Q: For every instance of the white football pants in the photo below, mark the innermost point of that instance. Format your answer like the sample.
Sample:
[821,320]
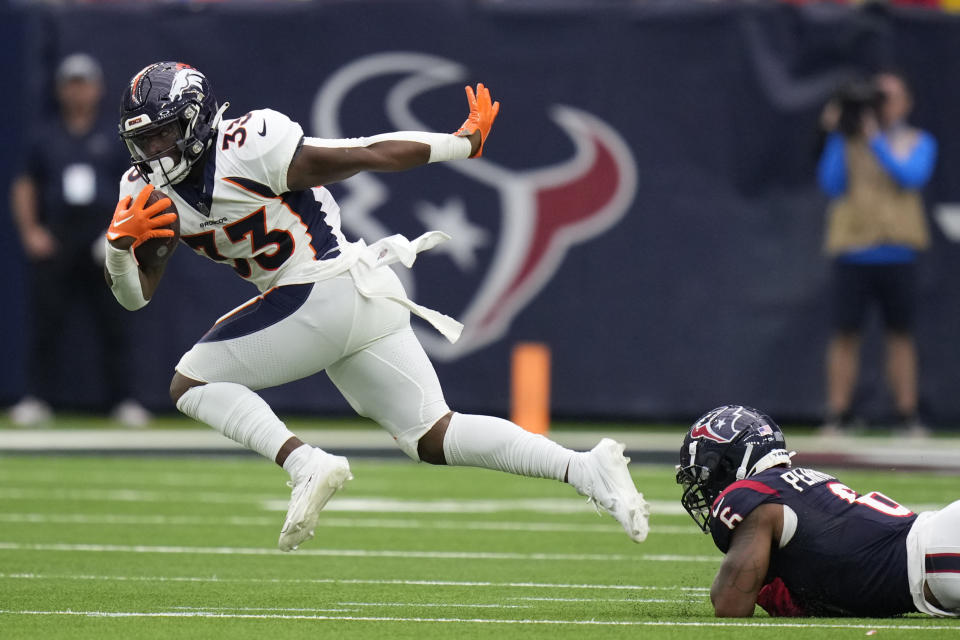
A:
[365,345]
[933,556]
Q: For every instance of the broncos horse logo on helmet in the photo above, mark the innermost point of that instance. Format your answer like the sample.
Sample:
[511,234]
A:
[725,445]
[168,119]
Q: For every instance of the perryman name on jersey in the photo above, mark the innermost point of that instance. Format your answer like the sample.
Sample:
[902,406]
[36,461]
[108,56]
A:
[243,214]
[841,553]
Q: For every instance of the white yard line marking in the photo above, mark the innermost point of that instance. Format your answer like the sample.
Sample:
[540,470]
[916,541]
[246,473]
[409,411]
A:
[278,502]
[298,609]
[413,583]
[435,604]
[356,553]
[275,502]
[454,505]
[118,518]
[129,495]
[688,600]
[606,623]
[331,522]
[191,479]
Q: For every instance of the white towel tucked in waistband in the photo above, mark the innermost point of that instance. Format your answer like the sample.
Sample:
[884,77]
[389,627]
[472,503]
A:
[360,259]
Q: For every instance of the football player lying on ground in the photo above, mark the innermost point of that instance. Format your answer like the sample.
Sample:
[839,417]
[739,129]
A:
[247,195]
[800,543]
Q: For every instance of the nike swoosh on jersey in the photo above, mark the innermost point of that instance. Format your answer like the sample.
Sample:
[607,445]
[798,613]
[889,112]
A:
[263,129]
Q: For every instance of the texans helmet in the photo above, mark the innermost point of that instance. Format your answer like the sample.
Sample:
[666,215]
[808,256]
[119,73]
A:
[724,445]
[168,119]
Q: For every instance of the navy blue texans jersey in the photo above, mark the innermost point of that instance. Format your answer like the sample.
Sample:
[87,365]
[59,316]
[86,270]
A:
[843,554]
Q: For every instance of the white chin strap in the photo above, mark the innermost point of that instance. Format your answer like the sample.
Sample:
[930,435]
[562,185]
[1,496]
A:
[167,172]
[171,173]
[742,470]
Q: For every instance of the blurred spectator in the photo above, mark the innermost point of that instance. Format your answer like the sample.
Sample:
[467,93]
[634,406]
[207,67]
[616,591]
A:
[61,201]
[873,167]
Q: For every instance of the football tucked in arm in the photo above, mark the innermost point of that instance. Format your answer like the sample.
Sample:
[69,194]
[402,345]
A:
[156,251]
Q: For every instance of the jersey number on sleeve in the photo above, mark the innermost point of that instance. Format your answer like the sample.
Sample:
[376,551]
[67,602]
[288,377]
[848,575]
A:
[236,133]
[253,226]
[875,500]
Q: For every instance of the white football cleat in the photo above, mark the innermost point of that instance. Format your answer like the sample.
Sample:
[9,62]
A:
[607,483]
[315,485]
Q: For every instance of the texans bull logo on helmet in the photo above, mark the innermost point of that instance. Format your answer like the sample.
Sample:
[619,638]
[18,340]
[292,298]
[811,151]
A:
[725,445]
[725,423]
[537,214]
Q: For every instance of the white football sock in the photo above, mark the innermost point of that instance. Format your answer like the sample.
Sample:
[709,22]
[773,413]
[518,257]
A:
[492,443]
[238,413]
[297,458]
[577,473]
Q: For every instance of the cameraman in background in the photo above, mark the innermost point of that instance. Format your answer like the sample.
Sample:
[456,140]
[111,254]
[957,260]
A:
[873,167]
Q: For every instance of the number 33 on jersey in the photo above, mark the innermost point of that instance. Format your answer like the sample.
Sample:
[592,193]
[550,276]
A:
[243,215]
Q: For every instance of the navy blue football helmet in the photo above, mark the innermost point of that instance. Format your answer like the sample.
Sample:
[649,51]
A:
[168,119]
[724,445]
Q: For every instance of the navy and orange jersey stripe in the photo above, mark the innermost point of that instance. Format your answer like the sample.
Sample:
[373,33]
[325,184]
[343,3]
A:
[263,311]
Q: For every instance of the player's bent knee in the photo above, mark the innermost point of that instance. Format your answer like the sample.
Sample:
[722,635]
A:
[430,446]
[180,384]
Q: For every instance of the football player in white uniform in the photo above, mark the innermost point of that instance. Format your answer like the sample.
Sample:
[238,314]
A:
[246,193]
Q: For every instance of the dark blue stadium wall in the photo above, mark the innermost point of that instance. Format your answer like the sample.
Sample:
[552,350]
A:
[646,205]
[13,110]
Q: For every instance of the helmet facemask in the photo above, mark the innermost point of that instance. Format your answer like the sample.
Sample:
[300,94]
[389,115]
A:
[694,498]
[157,151]
[171,162]
[702,480]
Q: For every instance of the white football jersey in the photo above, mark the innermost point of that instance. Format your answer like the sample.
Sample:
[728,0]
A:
[244,215]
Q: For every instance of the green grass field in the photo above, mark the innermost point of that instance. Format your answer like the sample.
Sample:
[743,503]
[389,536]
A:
[131,547]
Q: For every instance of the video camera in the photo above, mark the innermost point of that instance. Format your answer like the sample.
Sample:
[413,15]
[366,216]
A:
[855,100]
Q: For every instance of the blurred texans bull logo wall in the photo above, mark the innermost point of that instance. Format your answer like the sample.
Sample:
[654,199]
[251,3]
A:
[543,211]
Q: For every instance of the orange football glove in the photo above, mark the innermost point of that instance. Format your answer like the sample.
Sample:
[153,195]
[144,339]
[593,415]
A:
[482,115]
[133,221]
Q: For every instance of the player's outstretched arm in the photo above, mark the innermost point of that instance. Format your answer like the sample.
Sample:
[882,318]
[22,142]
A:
[482,114]
[132,225]
[324,161]
[744,569]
